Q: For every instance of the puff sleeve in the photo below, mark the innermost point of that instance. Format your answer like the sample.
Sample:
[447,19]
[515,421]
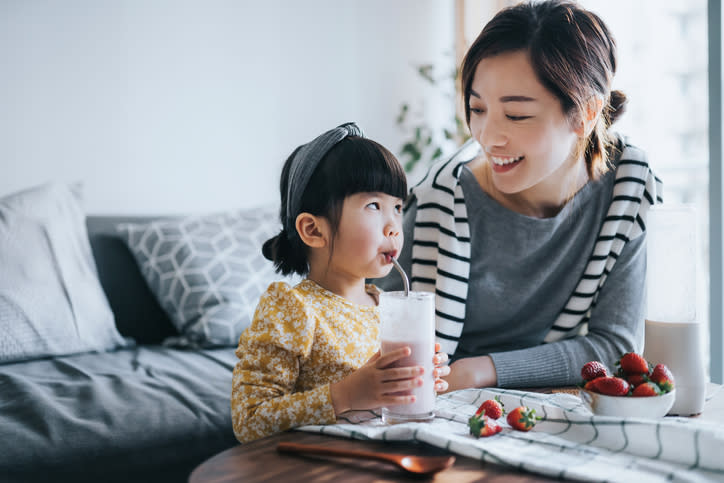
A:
[271,352]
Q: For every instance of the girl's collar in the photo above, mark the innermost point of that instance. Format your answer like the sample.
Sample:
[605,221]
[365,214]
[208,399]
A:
[316,288]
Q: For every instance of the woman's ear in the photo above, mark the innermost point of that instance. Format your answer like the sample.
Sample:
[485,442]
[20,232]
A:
[313,230]
[593,109]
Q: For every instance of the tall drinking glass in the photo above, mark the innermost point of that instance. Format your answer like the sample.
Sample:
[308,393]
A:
[673,331]
[410,321]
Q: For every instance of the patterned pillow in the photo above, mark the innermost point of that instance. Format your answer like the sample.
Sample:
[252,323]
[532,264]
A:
[207,272]
[51,301]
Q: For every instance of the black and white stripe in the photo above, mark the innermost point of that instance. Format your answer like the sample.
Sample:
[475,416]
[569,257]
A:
[441,242]
[441,245]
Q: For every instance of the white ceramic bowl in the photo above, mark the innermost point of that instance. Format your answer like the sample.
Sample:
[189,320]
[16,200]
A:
[628,406]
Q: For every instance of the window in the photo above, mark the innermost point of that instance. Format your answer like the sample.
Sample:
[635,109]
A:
[663,69]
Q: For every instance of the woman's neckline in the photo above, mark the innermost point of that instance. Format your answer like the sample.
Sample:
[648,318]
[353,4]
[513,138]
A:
[481,177]
[579,197]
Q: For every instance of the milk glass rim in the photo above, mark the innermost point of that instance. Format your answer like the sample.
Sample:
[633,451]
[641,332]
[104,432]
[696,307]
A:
[413,294]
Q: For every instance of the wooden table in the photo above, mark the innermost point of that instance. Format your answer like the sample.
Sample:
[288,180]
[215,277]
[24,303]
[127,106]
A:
[259,461]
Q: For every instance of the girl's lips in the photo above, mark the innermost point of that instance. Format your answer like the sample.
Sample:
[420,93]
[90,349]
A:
[389,255]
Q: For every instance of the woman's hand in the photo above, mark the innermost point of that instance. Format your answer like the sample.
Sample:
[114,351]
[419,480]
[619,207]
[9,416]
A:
[372,385]
[441,370]
[472,372]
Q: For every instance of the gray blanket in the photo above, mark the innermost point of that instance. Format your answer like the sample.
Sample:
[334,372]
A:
[128,415]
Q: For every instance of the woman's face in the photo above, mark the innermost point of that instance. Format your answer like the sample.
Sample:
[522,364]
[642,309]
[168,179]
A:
[527,138]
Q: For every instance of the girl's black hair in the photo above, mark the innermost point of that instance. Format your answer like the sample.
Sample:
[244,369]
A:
[353,165]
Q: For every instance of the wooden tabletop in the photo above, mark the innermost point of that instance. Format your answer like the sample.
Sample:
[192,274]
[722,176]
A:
[259,461]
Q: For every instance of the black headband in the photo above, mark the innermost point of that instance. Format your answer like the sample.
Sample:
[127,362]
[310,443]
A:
[303,165]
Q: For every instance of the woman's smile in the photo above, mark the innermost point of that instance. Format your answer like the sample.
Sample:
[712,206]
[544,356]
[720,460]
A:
[503,164]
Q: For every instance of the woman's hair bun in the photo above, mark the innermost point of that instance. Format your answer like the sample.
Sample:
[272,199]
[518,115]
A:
[616,106]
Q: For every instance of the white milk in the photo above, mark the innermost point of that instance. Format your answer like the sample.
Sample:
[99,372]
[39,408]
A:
[672,335]
[410,321]
[678,345]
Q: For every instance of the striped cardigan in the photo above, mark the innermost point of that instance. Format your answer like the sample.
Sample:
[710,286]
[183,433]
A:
[441,242]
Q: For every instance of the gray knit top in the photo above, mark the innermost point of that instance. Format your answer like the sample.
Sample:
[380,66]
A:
[523,271]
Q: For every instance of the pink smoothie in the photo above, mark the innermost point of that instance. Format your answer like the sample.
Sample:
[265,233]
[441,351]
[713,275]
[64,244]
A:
[422,353]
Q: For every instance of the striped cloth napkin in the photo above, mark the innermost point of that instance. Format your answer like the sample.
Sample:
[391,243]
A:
[569,443]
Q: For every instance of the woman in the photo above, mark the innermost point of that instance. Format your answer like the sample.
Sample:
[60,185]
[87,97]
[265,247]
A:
[532,235]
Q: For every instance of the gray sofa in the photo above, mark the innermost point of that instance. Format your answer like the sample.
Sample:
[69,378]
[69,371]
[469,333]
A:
[143,413]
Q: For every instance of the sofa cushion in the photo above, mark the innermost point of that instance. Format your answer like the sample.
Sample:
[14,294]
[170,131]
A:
[147,413]
[206,271]
[51,302]
[138,313]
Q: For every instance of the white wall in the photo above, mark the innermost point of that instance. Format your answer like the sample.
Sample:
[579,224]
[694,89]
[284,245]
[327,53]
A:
[191,106]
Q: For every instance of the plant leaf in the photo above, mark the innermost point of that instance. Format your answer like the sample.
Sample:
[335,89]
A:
[404,108]
[425,71]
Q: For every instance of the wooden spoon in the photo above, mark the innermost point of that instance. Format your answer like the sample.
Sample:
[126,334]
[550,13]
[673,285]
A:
[422,465]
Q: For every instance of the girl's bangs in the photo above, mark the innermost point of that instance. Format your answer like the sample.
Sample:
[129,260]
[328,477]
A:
[365,166]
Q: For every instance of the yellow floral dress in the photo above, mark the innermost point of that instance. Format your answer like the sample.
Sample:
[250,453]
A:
[302,339]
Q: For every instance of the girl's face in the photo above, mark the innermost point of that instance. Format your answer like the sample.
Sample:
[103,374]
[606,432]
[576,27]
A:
[369,232]
[527,138]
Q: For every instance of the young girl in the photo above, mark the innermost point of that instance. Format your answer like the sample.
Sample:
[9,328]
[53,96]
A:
[311,352]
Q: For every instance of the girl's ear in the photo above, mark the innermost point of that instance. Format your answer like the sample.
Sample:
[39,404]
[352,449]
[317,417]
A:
[313,230]
[594,106]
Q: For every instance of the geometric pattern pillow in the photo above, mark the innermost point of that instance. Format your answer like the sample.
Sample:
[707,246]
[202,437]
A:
[207,272]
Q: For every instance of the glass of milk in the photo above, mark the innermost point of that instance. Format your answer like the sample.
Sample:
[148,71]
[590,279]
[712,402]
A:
[410,321]
[673,330]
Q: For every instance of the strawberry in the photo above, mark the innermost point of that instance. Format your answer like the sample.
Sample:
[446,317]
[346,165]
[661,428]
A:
[637,379]
[612,386]
[593,369]
[591,385]
[646,389]
[662,376]
[492,408]
[483,426]
[522,418]
[633,363]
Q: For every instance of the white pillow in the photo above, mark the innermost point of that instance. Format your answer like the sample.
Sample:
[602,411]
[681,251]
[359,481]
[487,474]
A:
[51,301]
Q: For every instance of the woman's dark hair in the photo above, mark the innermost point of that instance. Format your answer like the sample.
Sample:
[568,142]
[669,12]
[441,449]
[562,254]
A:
[353,165]
[573,54]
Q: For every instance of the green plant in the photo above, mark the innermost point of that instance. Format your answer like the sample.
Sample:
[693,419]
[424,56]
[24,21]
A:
[427,143]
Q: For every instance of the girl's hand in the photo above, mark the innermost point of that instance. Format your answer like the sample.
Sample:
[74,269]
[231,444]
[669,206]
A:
[442,369]
[372,385]
[472,372]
